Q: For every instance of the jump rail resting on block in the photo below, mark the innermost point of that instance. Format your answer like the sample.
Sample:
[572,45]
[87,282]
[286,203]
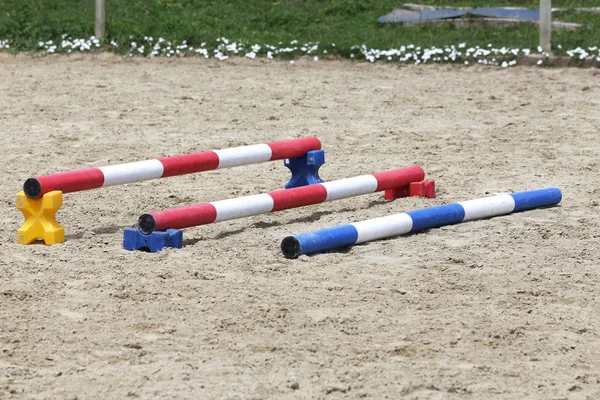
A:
[94,178]
[207,213]
[418,220]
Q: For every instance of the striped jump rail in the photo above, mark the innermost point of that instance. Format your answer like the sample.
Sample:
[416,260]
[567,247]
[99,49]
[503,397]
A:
[240,207]
[139,171]
[418,220]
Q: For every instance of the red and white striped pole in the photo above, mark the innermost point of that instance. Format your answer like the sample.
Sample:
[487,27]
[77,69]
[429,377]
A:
[93,178]
[223,210]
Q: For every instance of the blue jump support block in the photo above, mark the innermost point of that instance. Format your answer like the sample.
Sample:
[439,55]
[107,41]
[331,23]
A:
[416,221]
[133,239]
[305,169]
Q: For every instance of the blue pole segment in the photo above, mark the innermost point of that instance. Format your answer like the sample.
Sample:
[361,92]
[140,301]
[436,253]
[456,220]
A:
[531,199]
[434,217]
[318,241]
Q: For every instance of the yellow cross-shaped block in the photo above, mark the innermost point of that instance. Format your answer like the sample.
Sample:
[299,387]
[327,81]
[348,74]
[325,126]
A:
[40,221]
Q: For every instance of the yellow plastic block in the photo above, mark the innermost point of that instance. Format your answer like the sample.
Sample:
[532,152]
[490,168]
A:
[40,221]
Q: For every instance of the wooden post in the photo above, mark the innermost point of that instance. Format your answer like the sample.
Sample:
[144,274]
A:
[100,18]
[546,25]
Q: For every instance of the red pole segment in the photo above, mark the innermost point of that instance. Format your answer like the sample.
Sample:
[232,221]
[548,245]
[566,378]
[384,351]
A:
[66,182]
[293,148]
[189,163]
[206,213]
[93,178]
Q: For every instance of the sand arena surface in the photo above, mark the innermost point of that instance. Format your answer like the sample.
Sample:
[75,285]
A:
[498,308]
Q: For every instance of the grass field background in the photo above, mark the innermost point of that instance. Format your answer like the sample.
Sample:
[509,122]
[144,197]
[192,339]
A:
[345,23]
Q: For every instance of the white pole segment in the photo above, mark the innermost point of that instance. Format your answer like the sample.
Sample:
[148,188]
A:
[350,187]
[488,207]
[383,227]
[132,172]
[243,206]
[244,155]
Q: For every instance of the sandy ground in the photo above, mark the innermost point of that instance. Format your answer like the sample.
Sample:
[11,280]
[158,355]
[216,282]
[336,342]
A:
[500,308]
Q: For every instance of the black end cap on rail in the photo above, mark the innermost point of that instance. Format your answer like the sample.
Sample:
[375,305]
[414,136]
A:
[32,188]
[146,224]
[290,247]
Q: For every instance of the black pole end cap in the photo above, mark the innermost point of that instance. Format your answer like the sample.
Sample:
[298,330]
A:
[290,247]
[32,188]
[146,224]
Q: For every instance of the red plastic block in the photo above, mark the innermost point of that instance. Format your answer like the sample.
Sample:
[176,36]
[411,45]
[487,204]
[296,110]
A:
[422,189]
[414,189]
[396,193]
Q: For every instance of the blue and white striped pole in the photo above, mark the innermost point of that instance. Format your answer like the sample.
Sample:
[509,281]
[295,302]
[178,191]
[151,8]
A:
[418,220]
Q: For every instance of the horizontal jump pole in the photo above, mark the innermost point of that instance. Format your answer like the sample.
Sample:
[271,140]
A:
[207,213]
[418,220]
[94,178]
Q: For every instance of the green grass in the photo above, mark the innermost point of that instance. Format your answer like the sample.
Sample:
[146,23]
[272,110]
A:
[343,22]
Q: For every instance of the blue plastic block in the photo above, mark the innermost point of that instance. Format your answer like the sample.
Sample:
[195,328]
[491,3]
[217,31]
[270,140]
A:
[305,169]
[133,239]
